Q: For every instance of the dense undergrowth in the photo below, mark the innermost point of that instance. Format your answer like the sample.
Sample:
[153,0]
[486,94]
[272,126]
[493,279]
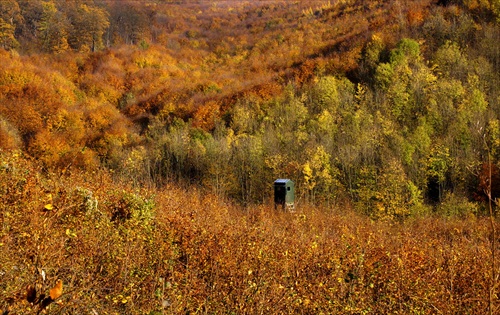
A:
[169,251]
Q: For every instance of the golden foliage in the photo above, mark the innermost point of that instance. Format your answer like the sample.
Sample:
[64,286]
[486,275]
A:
[124,249]
[315,260]
[206,116]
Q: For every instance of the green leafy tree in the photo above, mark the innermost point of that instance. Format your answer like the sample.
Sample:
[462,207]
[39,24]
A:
[325,95]
[417,148]
[443,104]
[357,145]
[287,119]
[451,61]
[219,177]
[439,165]
[247,116]
[406,81]
[495,7]
[372,54]
[387,193]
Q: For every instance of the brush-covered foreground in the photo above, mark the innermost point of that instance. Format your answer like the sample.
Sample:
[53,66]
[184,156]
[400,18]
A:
[118,250]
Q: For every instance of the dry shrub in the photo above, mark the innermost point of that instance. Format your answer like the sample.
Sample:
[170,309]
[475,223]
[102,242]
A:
[9,136]
[119,250]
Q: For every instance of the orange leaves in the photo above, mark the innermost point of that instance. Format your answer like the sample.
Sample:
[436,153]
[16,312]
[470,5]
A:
[99,116]
[37,300]
[206,116]
[415,16]
[48,147]
[57,290]
[305,72]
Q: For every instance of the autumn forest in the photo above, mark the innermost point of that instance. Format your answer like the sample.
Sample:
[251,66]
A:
[139,143]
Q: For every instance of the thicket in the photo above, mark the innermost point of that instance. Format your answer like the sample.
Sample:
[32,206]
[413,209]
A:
[122,250]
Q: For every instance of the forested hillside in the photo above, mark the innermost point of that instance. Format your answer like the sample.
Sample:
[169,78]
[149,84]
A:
[139,141]
[387,105]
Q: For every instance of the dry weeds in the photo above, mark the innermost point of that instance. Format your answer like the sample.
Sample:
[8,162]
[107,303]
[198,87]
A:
[119,250]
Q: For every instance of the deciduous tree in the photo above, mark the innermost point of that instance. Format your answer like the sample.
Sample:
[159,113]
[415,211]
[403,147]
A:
[53,28]
[89,26]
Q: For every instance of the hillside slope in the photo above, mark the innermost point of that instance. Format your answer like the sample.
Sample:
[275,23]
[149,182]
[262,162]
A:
[341,97]
[139,141]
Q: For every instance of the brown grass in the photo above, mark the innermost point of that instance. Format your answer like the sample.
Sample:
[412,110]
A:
[172,251]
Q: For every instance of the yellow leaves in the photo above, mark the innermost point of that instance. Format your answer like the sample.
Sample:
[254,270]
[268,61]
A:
[326,123]
[275,163]
[308,176]
[15,78]
[314,245]
[135,160]
[63,87]
[360,95]
[317,170]
[70,233]
[49,206]
[146,62]
[327,93]
[119,299]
